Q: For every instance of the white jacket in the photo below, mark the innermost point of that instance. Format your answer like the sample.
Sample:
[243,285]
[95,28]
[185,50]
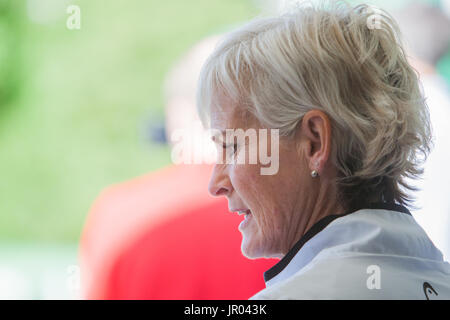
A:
[375,253]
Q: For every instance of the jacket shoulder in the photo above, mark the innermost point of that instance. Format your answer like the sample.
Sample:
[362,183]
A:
[364,277]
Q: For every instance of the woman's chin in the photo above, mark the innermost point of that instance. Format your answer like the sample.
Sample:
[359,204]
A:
[250,249]
[247,249]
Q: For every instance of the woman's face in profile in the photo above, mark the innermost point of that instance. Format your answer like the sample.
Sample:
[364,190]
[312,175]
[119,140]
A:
[270,203]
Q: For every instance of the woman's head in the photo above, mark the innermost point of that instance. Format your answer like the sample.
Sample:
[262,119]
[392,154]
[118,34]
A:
[336,83]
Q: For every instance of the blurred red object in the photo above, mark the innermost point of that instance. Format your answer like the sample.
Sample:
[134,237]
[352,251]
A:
[162,236]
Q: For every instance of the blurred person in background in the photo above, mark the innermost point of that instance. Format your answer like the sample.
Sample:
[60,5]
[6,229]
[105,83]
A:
[426,30]
[161,236]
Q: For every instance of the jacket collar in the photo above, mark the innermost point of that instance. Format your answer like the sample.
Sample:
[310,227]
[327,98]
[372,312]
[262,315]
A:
[319,226]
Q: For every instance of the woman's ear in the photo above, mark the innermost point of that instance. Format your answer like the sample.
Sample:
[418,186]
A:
[316,136]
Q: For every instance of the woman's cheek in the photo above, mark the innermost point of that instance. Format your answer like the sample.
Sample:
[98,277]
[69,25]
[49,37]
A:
[244,173]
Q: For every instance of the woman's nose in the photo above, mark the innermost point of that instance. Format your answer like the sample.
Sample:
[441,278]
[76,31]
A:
[219,184]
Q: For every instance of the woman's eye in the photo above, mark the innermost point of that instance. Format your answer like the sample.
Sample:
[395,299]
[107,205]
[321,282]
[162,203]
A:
[232,147]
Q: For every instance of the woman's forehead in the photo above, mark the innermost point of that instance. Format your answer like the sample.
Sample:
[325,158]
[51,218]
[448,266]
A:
[227,116]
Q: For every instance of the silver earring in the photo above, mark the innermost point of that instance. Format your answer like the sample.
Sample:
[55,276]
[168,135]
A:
[314,174]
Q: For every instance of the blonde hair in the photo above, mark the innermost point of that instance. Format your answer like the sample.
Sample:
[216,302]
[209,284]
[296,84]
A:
[329,57]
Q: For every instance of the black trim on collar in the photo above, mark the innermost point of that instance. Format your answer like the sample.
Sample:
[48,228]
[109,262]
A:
[319,226]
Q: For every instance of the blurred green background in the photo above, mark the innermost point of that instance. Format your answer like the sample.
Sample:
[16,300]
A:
[75,104]
[75,112]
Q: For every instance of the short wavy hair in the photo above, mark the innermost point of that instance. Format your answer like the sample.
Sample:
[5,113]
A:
[348,62]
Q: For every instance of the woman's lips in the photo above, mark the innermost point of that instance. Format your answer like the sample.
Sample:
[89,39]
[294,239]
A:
[243,212]
[246,221]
